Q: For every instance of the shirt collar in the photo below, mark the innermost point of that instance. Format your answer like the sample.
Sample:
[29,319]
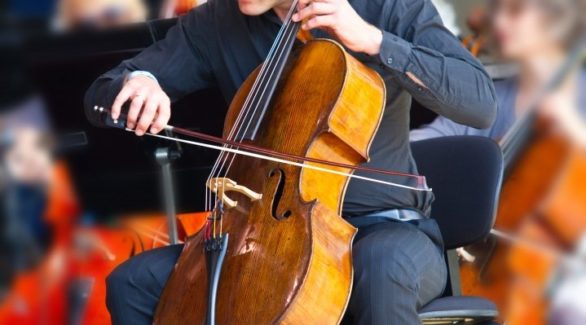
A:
[272,17]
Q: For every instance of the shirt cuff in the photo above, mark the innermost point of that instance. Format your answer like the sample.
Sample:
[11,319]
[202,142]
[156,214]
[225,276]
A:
[141,73]
[394,52]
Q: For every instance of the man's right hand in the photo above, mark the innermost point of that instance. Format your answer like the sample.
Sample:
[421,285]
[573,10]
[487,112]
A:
[149,107]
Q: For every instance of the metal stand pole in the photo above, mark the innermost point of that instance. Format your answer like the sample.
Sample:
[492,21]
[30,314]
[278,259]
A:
[164,156]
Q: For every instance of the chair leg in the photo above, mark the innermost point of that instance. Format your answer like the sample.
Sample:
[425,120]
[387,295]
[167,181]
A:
[457,321]
[454,272]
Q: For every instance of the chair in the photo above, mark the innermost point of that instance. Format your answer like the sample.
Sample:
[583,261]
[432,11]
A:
[465,173]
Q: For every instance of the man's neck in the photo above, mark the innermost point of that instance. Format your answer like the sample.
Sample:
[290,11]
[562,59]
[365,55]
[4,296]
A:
[282,8]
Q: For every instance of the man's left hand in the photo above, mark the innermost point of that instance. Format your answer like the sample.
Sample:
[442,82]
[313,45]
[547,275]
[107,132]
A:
[338,18]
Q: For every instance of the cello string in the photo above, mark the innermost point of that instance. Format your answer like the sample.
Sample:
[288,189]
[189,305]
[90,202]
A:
[282,54]
[240,131]
[209,195]
[275,64]
[248,123]
[253,100]
[243,114]
[287,162]
[246,103]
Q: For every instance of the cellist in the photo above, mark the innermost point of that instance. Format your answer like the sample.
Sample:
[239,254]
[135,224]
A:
[398,256]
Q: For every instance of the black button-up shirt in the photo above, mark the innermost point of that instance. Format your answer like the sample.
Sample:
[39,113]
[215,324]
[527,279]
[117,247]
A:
[217,46]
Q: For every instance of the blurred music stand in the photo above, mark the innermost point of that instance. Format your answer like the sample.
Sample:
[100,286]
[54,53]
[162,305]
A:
[113,172]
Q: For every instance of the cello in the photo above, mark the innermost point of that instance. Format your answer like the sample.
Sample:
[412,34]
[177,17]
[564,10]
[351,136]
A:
[275,235]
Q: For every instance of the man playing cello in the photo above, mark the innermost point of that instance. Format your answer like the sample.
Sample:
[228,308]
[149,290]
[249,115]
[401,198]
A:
[397,255]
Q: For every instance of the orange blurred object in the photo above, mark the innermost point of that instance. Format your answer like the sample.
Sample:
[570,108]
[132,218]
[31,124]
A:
[543,203]
[82,255]
[183,6]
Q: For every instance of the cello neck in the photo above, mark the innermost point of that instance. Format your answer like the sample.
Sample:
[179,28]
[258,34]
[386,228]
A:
[517,137]
[259,97]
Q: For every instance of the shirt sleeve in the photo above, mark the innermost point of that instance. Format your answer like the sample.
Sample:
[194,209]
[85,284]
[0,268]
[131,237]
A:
[440,127]
[456,84]
[179,62]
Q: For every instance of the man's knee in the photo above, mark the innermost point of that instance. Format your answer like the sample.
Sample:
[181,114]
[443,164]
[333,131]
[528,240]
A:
[134,287]
[140,271]
[118,278]
[117,282]
[386,281]
[146,272]
[116,292]
[389,246]
[384,264]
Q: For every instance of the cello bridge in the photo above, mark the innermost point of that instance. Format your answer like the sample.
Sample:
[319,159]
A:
[223,185]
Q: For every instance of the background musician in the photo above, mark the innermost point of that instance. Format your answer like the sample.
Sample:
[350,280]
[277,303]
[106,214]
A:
[399,265]
[73,14]
[537,36]
[26,161]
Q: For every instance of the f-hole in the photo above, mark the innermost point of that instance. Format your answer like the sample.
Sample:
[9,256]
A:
[277,172]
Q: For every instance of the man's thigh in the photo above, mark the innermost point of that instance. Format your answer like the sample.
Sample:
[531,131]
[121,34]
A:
[398,269]
[134,287]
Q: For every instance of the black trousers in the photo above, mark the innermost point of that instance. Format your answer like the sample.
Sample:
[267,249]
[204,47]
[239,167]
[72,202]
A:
[398,268]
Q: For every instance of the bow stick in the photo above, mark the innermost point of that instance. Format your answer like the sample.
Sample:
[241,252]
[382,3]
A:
[267,154]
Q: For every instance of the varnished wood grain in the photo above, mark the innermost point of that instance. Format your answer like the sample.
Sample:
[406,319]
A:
[297,270]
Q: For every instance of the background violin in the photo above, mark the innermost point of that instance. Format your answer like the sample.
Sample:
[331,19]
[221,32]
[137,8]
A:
[543,203]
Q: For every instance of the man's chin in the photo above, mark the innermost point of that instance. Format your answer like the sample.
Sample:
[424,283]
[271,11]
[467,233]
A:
[251,9]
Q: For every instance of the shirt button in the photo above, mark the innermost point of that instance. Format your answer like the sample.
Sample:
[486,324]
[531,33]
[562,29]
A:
[390,60]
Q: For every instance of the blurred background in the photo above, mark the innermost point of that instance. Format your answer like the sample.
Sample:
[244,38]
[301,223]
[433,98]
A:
[76,201]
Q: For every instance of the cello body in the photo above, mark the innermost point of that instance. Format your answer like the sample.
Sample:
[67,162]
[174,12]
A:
[288,259]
